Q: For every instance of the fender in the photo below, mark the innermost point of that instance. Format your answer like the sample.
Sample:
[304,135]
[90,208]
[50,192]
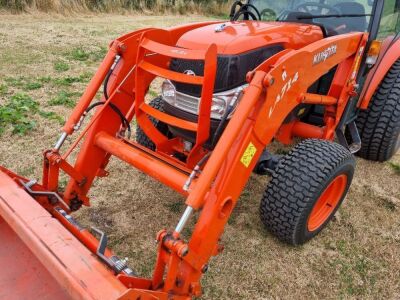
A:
[389,54]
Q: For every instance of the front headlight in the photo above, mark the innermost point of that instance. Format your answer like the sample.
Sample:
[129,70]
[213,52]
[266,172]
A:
[168,92]
[222,100]
[188,103]
[218,107]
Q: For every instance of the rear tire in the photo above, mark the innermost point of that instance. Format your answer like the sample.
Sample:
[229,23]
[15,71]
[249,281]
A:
[306,189]
[379,125]
[141,137]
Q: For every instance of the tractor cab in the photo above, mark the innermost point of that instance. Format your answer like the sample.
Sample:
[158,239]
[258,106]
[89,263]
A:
[333,16]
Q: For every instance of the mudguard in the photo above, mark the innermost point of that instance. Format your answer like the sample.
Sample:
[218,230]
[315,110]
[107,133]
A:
[389,54]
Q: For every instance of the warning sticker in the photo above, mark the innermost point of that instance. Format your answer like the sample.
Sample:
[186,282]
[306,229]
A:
[248,155]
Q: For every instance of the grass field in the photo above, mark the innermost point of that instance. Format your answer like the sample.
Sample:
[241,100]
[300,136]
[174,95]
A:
[45,63]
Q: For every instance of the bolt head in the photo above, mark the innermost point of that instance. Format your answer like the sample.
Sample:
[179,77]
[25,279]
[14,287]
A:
[204,269]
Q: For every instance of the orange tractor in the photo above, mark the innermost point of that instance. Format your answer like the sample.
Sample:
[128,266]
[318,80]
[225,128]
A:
[326,72]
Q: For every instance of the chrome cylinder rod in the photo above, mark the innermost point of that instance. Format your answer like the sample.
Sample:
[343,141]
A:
[185,217]
[61,141]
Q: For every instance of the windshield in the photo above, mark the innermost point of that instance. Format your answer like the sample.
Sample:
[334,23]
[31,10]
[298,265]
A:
[335,15]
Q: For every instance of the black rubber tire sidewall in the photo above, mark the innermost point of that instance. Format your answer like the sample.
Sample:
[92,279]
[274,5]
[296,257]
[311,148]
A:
[141,137]
[379,124]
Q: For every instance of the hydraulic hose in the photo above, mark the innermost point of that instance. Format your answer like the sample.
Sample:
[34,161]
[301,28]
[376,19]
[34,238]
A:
[115,108]
[105,85]
[124,121]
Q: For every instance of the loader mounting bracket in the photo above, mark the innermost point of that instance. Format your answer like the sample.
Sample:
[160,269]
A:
[267,163]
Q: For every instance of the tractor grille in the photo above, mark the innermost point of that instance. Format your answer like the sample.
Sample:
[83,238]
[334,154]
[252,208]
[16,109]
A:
[231,69]
[187,102]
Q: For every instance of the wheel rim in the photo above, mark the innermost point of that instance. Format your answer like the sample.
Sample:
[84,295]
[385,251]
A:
[327,202]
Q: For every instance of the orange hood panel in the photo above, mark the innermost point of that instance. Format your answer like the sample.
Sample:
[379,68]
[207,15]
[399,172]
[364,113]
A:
[239,37]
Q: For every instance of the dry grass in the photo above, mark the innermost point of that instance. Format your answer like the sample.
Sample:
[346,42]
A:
[66,7]
[357,256]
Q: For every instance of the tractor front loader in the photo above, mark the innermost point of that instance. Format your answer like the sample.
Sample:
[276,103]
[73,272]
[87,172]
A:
[207,156]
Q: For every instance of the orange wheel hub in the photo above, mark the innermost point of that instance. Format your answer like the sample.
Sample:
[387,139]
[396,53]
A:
[327,202]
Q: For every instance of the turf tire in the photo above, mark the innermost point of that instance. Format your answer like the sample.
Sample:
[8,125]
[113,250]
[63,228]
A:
[299,179]
[379,124]
[141,137]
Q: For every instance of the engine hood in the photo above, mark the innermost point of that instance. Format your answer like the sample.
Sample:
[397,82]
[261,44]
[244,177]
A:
[239,37]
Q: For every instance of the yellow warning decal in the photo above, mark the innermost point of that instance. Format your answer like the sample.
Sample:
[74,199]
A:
[248,155]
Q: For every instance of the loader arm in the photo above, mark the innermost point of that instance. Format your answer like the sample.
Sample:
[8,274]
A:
[212,180]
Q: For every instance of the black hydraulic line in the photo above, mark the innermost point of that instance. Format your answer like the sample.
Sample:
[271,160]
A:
[115,108]
[221,124]
[105,85]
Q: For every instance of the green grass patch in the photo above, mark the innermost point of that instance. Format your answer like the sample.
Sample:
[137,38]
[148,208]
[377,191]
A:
[44,79]
[99,55]
[52,116]
[17,114]
[33,86]
[24,83]
[61,66]
[69,80]
[15,81]
[395,167]
[3,89]
[64,98]
[79,54]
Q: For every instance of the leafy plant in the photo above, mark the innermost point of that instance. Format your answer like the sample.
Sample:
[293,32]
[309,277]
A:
[52,116]
[61,66]
[69,80]
[24,83]
[15,81]
[33,85]
[3,89]
[79,54]
[17,113]
[63,98]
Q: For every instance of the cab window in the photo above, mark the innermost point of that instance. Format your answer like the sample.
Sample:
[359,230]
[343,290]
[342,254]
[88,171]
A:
[390,21]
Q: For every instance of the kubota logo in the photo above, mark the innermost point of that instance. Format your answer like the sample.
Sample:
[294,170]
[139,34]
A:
[324,55]
[189,72]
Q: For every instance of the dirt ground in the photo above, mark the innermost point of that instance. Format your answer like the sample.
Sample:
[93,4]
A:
[50,58]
